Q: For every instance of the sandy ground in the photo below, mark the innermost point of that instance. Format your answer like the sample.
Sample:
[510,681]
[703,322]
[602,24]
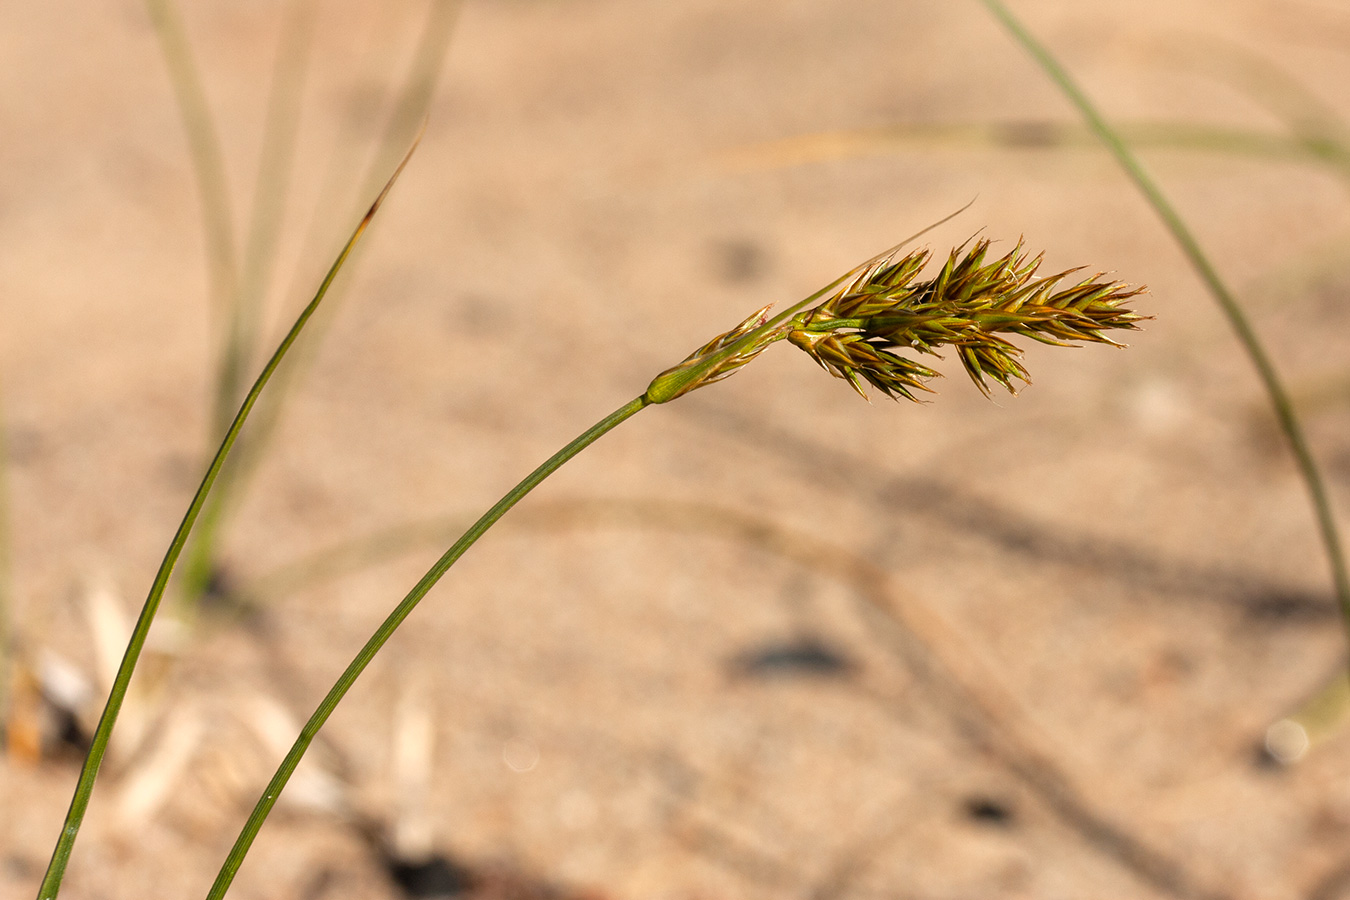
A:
[768,641]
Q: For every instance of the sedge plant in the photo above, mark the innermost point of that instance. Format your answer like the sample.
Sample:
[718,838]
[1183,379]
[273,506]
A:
[408,109]
[238,271]
[864,328]
[861,328]
[84,788]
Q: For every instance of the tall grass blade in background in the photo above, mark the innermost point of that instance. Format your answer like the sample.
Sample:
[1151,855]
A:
[866,316]
[275,165]
[410,105]
[208,164]
[419,88]
[408,110]
[51,882]
[1041,134]
[1190,246]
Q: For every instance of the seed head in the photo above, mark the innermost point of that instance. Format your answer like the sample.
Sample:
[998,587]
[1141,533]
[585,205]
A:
[882,307]
[968,305]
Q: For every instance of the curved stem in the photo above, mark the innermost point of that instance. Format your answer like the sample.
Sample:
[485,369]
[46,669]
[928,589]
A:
[1246,334]
[386,630]
[84,788]
[409,108]
[245,306]
[418,89]
[208,164]
[271,188]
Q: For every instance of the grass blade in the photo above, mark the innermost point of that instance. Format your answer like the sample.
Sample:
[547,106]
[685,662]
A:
[409,108]
[419,87]
[1035,134]
[1190,246]
[208,162]
[51,882]
[275,161]
[386,630]
[273,181]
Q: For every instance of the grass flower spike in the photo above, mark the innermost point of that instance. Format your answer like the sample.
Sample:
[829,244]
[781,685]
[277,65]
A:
[883,306]
[968,305]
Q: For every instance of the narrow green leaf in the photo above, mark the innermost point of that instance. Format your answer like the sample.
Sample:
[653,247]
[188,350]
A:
[1237,319]
[51,882]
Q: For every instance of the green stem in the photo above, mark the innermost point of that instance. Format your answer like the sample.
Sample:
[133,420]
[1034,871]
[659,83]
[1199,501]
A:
[281,123]
[209,166]
[409,109]
[269,200]
[386,630]
[668,390]
[1036,134]
[419,86]
[1279,397]
[84,788]
[200,565]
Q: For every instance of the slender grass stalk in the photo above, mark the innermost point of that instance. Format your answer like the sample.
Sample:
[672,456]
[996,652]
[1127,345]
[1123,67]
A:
[275,164]
[409,108]
[1034,134]
[1318,133]
[51,882]
[386,630]
[866,315]
[418,90]
[208,164]
[1190,246]
[705,367]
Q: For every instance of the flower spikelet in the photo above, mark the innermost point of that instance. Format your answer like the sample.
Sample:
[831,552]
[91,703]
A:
[677,381]
[969,305]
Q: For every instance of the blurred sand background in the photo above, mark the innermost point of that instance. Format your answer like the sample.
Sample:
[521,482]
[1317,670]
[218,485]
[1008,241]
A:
[770,640]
